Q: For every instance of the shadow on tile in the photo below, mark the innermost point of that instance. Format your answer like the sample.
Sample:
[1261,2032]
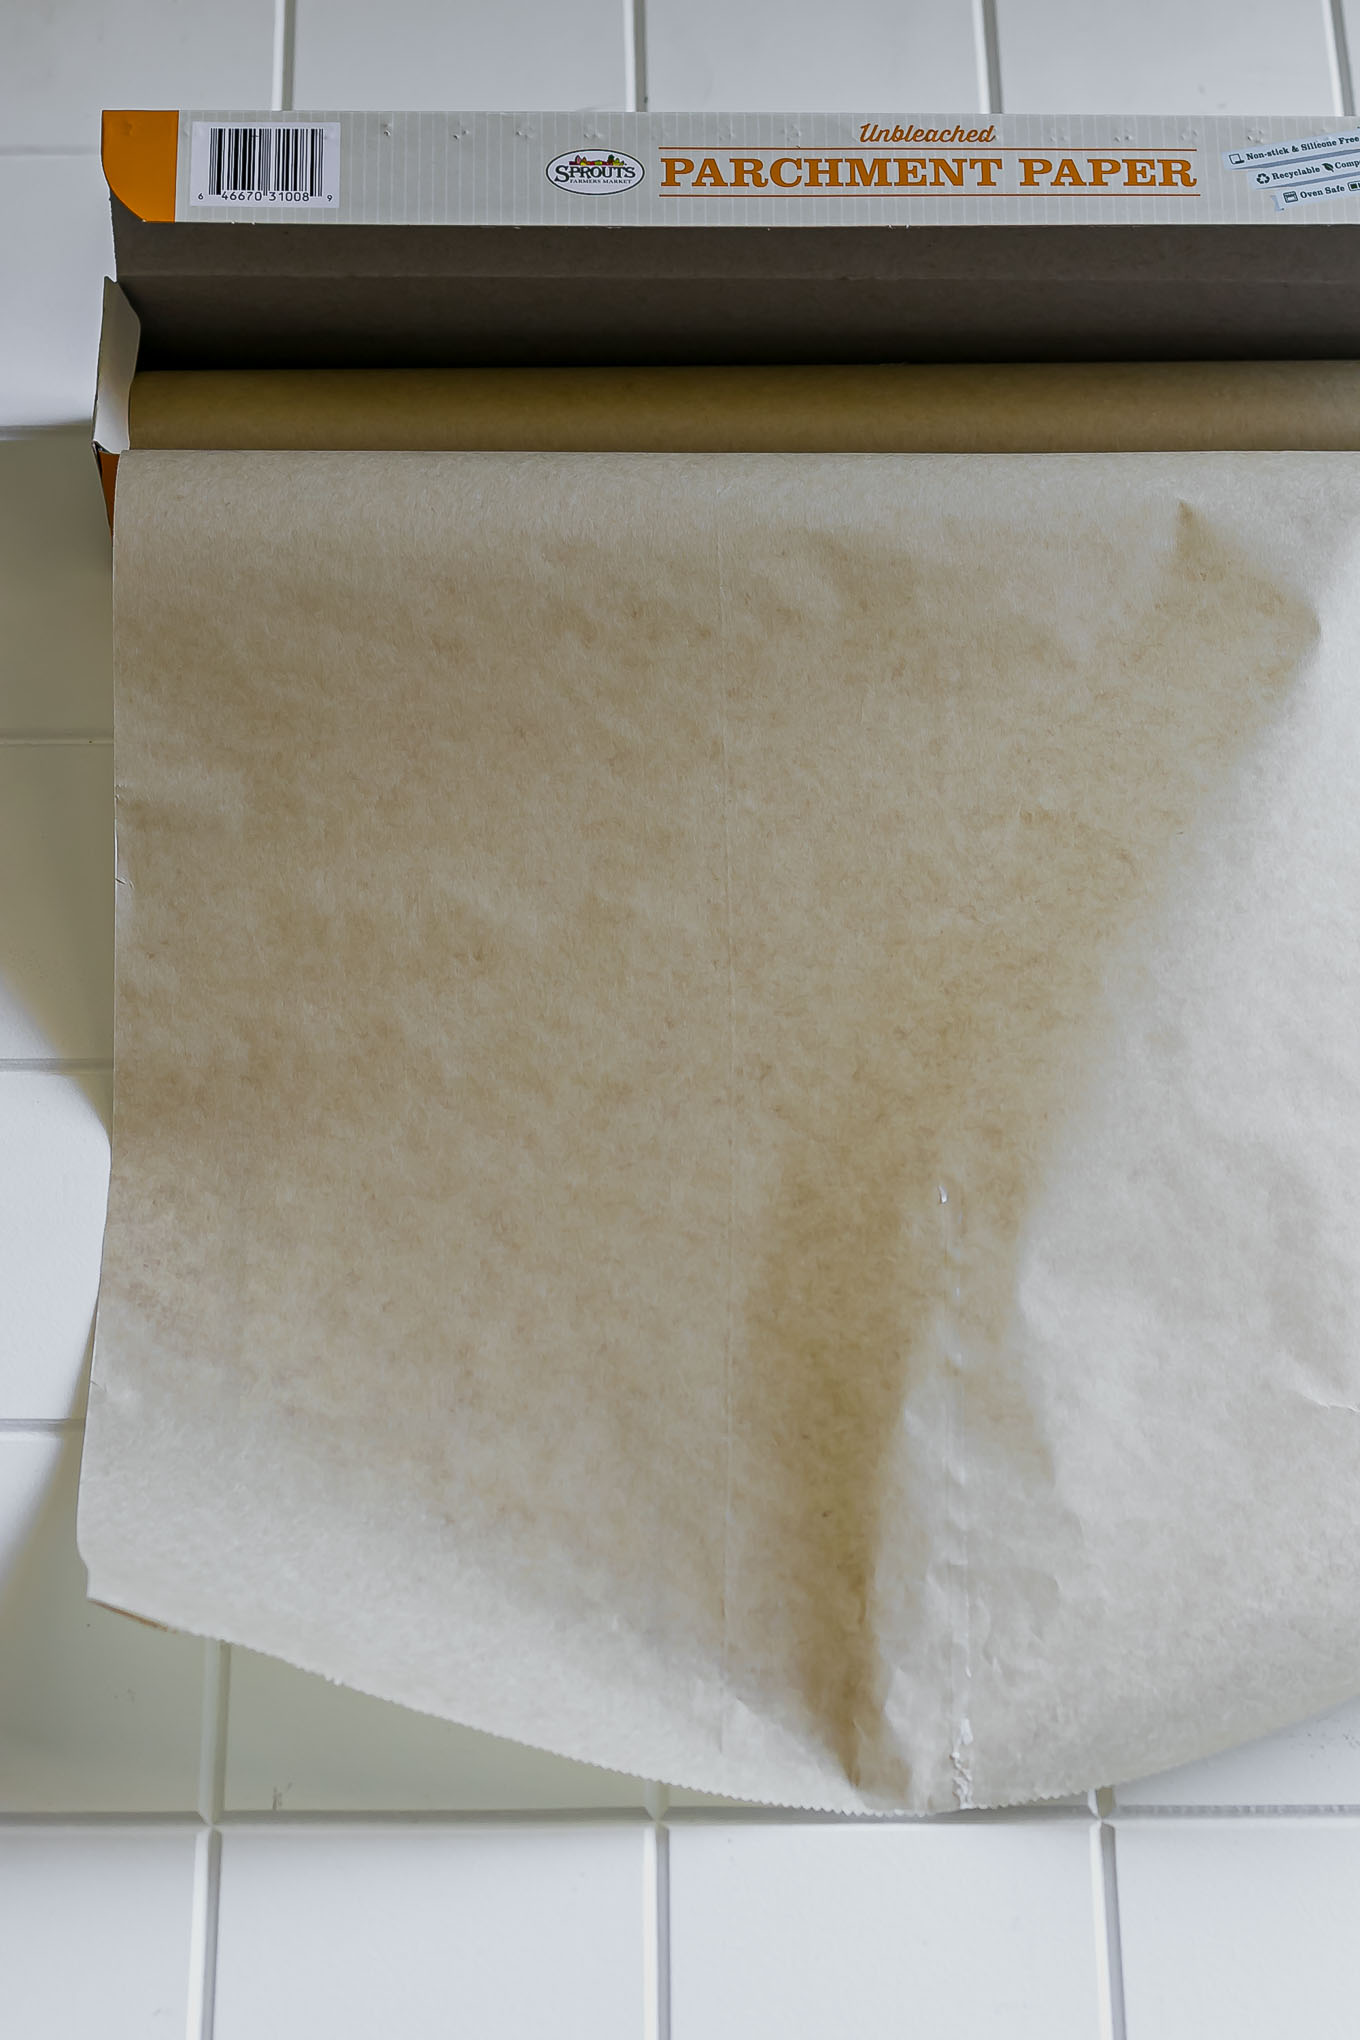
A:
[297,1743]
[56,903]
[56,657]
[98,1713]
[54,1141]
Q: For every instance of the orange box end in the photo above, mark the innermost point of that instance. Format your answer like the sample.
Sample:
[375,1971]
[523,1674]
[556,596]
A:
[141,154]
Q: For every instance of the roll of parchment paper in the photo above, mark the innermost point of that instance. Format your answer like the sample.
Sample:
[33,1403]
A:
[1127,406]
[737,1127]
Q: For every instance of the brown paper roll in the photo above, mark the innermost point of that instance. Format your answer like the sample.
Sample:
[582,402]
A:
[1128,407]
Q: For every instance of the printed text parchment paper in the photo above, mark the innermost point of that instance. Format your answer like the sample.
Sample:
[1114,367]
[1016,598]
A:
[737,1109]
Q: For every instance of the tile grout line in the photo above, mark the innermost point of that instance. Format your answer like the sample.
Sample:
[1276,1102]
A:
[1339,56]
[663,1931]
[1265,1809]
[201,2008]
[260,1820]
[212,1771]
[987,51]
[174,1822]
[656,1919]
[285,46]
[1109,1943]
[635,56]
[267,1821]
[212,1760]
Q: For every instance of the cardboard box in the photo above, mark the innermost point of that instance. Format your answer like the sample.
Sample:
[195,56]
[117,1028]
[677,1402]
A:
[418,240]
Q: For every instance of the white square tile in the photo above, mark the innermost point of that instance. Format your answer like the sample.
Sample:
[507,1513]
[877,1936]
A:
[98,1713]
[56,901]
[1163,56]
[56,248]
[63,66]
[298,1743]
[1240,1927]
[1316,1763]
[870,55]
[460,54]
[512,1933]
[786,1931]
[54,1172]
[56,637]
[95,1933]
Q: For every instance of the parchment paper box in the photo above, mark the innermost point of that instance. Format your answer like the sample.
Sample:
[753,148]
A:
[426,240]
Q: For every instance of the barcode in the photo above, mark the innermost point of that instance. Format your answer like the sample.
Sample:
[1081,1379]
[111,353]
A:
[268,168]
[266,162]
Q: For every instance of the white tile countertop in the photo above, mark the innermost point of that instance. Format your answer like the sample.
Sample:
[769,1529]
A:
[202,1843]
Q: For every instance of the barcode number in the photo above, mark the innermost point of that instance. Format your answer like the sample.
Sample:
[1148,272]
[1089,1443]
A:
[233,163]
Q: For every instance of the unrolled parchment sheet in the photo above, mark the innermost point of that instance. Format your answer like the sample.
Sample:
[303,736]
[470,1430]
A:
[737,1114]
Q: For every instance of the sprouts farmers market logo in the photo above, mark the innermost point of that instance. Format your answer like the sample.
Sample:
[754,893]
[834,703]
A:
[595,170]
